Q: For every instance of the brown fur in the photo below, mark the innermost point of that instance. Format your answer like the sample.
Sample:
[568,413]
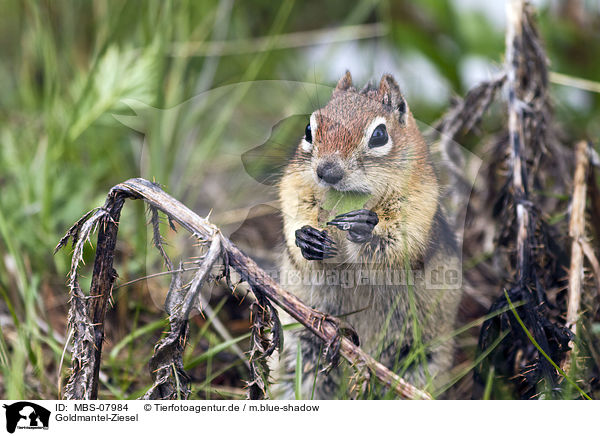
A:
[404,194]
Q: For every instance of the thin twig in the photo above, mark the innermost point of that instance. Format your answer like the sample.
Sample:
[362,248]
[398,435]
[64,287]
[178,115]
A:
[588,251]
[516,135]
[574,82]
[288,40]
[577,234]
[157,238]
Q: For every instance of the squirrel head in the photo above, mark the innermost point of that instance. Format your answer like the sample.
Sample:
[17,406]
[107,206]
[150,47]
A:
[362,141]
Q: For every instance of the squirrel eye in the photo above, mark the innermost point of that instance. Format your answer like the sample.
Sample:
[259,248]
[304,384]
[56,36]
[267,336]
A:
[308,134]
[379,136]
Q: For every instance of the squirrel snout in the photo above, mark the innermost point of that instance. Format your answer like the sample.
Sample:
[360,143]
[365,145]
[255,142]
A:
[330,172]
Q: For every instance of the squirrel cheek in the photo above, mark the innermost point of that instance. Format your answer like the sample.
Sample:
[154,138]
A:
[306,146]
[381,151]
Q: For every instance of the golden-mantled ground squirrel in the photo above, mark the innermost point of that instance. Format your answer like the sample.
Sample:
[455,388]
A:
[390,268]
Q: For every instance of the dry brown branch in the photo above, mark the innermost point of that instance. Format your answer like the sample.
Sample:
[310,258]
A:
[588,251]
[518,168]
[459,120]
[594,194]
[86,314]
[468,111]
[83,383]
[166,364]
[526,246]
[577,234]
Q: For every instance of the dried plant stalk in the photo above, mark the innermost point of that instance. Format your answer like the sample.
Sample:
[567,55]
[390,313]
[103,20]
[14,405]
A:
[264,287]
[577,234]
[518,168]
[533,259]
[86,314]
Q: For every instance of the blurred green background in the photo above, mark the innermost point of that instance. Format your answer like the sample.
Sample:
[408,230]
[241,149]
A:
[96,92]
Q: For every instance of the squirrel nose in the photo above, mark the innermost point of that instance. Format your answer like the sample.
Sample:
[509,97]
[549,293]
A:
[330,172]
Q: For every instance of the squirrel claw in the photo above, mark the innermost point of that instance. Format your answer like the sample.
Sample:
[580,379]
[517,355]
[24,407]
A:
[315,244]
[359,224]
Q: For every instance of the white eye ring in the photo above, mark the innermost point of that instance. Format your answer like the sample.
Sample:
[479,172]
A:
[376,151]
[307,146]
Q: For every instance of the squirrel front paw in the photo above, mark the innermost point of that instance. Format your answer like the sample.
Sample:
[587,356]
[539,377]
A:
[359,224]
[315,244]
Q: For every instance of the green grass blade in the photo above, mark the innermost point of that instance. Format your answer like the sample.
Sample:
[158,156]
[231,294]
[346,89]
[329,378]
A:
[136,334]
[541,350]
[298,374]
[211,352]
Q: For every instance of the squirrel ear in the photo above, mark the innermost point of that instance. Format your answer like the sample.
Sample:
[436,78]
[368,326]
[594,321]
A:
[344,83]
[391,96]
